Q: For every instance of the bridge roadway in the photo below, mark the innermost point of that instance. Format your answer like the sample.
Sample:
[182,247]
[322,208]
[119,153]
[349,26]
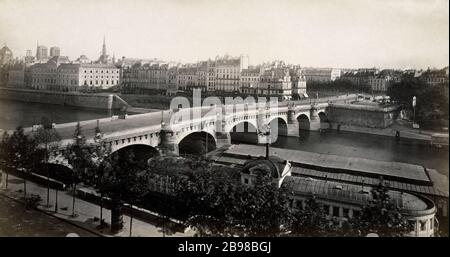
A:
[114,127]
[110,127]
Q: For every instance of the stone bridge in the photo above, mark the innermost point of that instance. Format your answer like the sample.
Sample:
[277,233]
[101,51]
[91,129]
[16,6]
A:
[169,131]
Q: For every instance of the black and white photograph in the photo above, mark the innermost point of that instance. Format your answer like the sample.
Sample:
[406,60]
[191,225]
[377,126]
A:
[226,119]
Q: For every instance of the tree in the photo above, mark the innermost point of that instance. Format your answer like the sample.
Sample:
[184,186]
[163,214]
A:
[123,179]
[220,205]
[381,216]
[262,209]
[24,155]
[311,220]
[432,100]
[79,156]
[50,139]
[5,156]
[100,165]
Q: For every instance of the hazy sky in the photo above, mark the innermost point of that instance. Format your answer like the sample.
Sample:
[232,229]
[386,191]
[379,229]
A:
[344,33]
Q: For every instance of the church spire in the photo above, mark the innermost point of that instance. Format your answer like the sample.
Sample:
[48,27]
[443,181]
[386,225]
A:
[104,47]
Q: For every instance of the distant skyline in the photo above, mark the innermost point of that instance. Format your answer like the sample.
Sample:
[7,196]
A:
[325,33]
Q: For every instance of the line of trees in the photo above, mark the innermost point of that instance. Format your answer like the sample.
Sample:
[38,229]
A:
[432,101]
[338,85]
[205,196]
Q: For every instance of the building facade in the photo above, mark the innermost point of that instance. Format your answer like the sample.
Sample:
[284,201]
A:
[228,73]
[433,77]
[276,82]
[379,83]
[64,76]
[250,80]
[187,78]
[341,201]
[321,74]
[149,77]
[54,51]
[16,76]
[6,56]
[41,53]
[89,75]
[298,80]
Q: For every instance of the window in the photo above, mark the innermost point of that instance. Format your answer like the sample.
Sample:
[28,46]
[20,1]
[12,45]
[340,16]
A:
[423,225]
[346,212]
[245,180]
[336,211]
[356,213]
[326,208]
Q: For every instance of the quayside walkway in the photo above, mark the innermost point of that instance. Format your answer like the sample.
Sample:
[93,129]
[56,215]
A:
[86,211]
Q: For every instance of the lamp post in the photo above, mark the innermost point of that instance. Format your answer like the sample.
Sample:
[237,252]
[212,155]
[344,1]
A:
[266,133]
[206,144]
[56,197]
[414,109]
[97,139]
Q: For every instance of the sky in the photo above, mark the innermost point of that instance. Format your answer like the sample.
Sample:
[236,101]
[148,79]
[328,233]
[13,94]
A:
[321,33]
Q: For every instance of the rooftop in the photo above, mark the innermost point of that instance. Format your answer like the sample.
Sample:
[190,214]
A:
[275,164]
[353,193]
[400,171]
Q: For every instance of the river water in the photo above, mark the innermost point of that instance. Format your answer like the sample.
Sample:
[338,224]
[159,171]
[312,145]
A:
[14,113]
[367,146]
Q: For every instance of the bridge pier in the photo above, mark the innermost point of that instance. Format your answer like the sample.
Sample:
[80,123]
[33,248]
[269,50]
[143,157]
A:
[168,145]
[223,139]
[314,121]
[292,126]
[293,129]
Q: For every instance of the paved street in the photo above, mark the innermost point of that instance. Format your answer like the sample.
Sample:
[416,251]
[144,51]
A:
[15,220]
[86,212]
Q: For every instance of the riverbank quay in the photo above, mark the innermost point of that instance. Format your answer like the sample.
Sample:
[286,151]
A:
[103,101]
[88,213]
[398,129]
[399,176]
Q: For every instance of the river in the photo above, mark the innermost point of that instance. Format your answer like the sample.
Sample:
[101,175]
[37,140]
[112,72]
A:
[14,113]
[368,146]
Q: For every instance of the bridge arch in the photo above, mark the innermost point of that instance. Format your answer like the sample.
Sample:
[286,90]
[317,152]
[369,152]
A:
[142,152]
[324,122]
[244,132]
[278,127]
[303,122]
[323,117]
[198,142]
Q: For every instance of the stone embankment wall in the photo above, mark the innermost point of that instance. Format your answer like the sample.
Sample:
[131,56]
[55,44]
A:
[361,115]
[94,101]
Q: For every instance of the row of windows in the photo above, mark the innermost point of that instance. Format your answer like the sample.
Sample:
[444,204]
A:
[230,70]
[422,224]
[250,79]
[227,77]
[107,71]
[106,77]
[333,210]
[107,82]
